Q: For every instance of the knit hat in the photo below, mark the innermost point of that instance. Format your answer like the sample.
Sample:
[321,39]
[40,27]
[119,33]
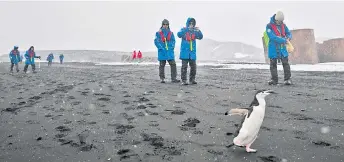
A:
[165,21]
[279,16]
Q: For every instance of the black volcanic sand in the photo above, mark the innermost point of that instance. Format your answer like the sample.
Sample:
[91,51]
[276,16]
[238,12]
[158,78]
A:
[81,112]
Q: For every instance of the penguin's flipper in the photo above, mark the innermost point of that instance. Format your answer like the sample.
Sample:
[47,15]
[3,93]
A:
[238,111]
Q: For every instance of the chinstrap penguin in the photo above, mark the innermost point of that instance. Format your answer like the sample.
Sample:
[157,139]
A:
[252,120]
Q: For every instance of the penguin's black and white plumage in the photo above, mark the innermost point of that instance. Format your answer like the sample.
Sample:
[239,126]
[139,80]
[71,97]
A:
[252,120]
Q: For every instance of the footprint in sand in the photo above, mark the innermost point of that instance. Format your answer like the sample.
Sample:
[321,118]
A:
[92,123]
[67,122]
[98,94]
[127,95]
[265,128]
[143,99]
[300,135]
[74,103]
[178,101]
[198,132]
[128,155]
[177,112]
[104,99]
[140,114]
[48,115]
[71,97]
[321,143]
[153,123]
[271,159]
[130,108]
[60,135]
[35,98]
[141,107]
[154,139]
[106,111]
[151,105]
[191,122]
[62,129]
[33,122]
[127,117]
[126,102]
[84,93]
[121,129]
[151,113]
[215,152]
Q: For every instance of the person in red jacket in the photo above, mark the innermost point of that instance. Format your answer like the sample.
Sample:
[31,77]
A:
[134,55]
[139,55]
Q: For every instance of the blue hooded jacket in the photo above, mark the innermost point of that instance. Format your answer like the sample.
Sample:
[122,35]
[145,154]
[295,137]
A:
[185,49]
[50,57]
[30,59]
[15,56]
[163,53]
[277,45]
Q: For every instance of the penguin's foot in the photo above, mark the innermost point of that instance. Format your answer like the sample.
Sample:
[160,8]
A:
[249,150]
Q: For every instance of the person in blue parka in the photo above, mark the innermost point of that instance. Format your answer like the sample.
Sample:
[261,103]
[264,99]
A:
[30,56]
[61,58]
[189,34]
[279,35]
[15,58]
[50,59]
[165,42]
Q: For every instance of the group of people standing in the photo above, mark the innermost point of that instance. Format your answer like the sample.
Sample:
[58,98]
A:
[137,56]
[30,55]
[51,57]
[165,43]
[277,37]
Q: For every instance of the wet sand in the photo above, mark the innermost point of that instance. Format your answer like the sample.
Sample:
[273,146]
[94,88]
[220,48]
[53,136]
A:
[82,112]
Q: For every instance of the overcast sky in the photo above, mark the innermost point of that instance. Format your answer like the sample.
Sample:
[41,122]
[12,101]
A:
[128,25]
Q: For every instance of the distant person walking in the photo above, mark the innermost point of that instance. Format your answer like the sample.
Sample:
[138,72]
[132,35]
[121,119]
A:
[50,59]
[189,34]
[139,55]
[134,55]
[61,58]
[165,43]
[278,35]
[30,56]
[15,58]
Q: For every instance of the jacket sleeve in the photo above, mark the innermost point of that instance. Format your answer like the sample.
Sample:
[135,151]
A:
[182,32]
[273,37]
[36,56]
[287,32]
[157,41]
[199,35]
[173,41]
[27,55]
